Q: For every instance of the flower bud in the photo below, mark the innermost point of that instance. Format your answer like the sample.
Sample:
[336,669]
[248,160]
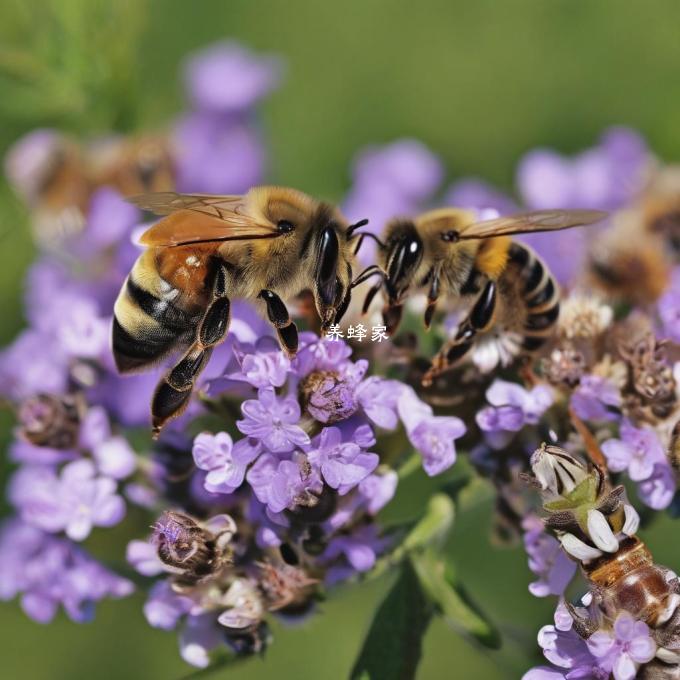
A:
[190,549]
[51,420]
[286,588]
[328,397]
[557,472]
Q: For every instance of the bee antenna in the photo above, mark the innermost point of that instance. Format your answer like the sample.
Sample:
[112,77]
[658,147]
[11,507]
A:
[361,238]
[357,225]
[373,270]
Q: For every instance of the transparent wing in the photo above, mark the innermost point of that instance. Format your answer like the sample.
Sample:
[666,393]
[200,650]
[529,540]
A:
[196,218]
[524,223]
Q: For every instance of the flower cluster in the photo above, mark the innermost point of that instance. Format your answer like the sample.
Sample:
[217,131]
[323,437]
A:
[270,487]
[77,466]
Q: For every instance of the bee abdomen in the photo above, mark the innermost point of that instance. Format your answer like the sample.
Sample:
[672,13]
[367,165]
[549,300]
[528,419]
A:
[540,294]
[145,327]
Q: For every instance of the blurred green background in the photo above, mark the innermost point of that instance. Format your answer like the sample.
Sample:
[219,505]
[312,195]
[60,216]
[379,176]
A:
[480,83]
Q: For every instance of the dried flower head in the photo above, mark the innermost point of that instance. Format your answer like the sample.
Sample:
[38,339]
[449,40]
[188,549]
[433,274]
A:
[51,420]
[651,384]
[286,587]
[565,365]
[193,550]
[328,397]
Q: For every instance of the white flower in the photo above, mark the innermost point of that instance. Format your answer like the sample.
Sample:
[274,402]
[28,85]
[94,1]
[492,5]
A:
[584,316]
[557,471]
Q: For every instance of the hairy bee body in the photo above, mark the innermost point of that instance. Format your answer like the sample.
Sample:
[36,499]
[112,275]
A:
[628,580]
[512,289]
[266,246]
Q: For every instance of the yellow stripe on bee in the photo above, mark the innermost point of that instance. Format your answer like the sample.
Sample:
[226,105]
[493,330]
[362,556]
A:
[492,256]
[133,319]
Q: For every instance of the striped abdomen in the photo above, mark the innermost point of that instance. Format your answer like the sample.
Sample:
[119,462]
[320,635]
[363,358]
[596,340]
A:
[147,322]
[540,295]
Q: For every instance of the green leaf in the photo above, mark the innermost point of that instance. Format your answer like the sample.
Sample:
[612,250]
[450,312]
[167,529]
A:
[393,646]
[438,582]
[433,526]
[431,529]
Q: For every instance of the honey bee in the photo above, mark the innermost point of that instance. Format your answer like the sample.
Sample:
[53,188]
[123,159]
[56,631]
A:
[447,253]
[629,261]
[264,246]
[630,580]
[632,261]
[598,528]
[59,181]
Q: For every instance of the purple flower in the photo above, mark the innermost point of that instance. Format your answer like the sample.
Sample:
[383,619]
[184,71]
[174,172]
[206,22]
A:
[546,559]
[200,636]
[506,418]
[113,454]
[32,364]
[568,651]
[628,645]
[110,220]
[512,406]
[596,398]
[164,607]
[229,78]
[24,452]
[74,502]
[472,193]
[320,354]
[360,548]
[637,451]
[604,177]
[266,366]
[342,464]
[47,572]
[432,436]
[658,489]
[143,556]
[284,484]
[669,308]
[217,155]
[225,463]
[406,166]
[273,421]
[378,398]
[30,159]
[377,490]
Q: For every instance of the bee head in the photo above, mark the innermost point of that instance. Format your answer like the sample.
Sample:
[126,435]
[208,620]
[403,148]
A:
[403,255]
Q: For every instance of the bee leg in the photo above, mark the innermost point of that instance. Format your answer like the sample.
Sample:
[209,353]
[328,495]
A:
[372,292]
[479,319]
[392,317]
[432,297]
[343,307]
[584,626]
[280,319]
[174,390]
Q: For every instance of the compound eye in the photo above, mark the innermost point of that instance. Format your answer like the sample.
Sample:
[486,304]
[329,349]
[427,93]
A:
[284,226]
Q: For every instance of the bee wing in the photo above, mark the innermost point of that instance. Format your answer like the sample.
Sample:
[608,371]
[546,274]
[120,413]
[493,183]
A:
[524,223]
[196,218]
